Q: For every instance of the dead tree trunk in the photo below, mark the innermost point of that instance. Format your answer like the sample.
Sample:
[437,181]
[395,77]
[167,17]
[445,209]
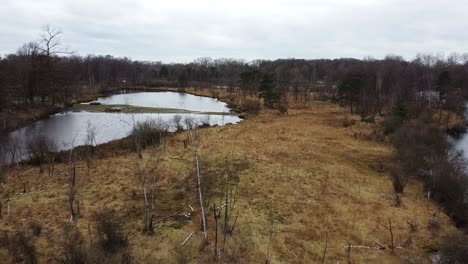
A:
[148,184]
[325,249]
[52,166]
[216,216]
[348,253]
[194,142]
[72,190]
[390,230]
[72,184]
[148,221]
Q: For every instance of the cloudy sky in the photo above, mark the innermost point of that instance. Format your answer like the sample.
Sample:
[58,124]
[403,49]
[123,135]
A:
[179,31]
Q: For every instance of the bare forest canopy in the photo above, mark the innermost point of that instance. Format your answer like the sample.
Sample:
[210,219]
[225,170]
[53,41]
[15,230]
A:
[43,72]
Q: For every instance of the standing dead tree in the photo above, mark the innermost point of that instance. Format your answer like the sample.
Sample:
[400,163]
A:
[348,253]
[389,227]
[216,215]
[270,238]
[12,148]
[194,139]
[90,143]
[325,247]
[150,133]
[148,185]
[229,195]
[73,202]
[52,76]
[39,150]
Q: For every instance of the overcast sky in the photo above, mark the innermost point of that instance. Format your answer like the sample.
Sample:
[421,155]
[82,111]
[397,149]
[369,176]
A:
[179,31]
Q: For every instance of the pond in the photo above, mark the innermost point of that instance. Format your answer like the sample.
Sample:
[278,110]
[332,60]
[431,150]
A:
[166,100]
[70,129]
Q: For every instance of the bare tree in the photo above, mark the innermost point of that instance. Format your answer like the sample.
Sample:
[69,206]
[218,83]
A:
[194,139]
[216,215]
[270,238]
[389,227]
[348,253]
[229,194]
[13,149]
[148,180]
[90,143]
[50,40]
[39,148]
[177,120]
[325,247]
[73,202]
[49,46]
[148,185]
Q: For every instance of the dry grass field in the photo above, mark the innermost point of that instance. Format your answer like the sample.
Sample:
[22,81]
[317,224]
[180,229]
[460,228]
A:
[302,176]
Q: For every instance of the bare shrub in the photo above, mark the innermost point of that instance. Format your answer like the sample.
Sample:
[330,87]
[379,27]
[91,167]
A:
[399,180]
[4,239]
[391,124]
[22,248]
[412,226]
[347,122]
[148,133]
[372,136]
[76,250]
[249,105]
[11,150]
[177,122]
[109,229]
[368,119]
[190,122]
[283,105]
[184,254]
[148,178]
[454,249]
[90,144]
[3,173]
[422,150]
[419,146]
[238,248]
[35,228]
[434,224]
[73,248]
[38,149]
[396,199]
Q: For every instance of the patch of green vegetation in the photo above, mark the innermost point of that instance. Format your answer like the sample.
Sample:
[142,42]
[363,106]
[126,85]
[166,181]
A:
[126,109]
[119,108]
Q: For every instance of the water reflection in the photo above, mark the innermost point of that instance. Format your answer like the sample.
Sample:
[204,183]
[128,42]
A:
[167,100]
[68,130]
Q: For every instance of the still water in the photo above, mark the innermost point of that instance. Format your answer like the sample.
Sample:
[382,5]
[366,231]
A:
[70,129]
[167,100]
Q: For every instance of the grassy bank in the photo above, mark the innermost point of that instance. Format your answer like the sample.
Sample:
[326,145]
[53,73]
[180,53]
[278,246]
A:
[303,176]
[136,109]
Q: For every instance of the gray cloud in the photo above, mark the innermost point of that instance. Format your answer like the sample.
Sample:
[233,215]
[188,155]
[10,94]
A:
[183,30]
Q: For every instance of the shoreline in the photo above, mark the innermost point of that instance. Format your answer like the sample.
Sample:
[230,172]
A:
[44,114]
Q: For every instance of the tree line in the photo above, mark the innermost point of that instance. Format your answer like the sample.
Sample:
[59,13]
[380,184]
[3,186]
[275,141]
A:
[44,72]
